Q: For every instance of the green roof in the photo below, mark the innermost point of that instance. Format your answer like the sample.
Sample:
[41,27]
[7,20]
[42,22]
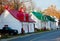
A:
[50,18]
[42,17]
[39,15]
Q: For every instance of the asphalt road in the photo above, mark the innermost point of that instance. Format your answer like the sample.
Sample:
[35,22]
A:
[46,36]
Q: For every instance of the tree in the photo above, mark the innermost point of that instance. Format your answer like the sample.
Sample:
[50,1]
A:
[2,3]
[52,11]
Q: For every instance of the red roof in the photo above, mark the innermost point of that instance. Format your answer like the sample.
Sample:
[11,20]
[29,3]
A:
[23,17]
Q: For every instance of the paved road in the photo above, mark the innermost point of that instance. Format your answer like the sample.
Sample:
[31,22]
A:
[46,36]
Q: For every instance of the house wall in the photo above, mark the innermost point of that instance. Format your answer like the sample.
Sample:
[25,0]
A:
[53,25]
[28,27]
[31,27]
[43,24]
[48,25]
[37,22]
[7,19]
[25,27]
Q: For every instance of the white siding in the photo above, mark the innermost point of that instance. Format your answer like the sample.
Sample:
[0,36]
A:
[43,24]
[48,25]
[7,19]
[25,27]
[37,22]
[28,27]
[53,25]
[31,27]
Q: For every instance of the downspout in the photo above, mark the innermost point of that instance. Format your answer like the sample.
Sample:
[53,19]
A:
[28,27]
[22,24]
[41,24]
[28,23]
[50,24]
[34,26]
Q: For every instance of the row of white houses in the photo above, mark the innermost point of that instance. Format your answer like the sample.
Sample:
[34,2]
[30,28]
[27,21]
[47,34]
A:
[40,23]
[18,20]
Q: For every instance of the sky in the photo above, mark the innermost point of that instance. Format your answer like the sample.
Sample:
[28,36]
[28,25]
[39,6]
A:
[43,4]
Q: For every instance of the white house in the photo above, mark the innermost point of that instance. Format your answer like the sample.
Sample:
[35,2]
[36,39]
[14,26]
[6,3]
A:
[38,24]
[39,20]
[43,21]
[51,23]
[17,20]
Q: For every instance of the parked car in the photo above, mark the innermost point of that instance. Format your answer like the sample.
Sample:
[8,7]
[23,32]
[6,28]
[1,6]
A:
[8,30]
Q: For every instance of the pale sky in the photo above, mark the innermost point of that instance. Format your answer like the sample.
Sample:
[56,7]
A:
[46,3]
[43,4]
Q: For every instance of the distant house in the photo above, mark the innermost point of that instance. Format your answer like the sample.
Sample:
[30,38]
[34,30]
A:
[51,22]
[17,20]
[43,21]
[39,19]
